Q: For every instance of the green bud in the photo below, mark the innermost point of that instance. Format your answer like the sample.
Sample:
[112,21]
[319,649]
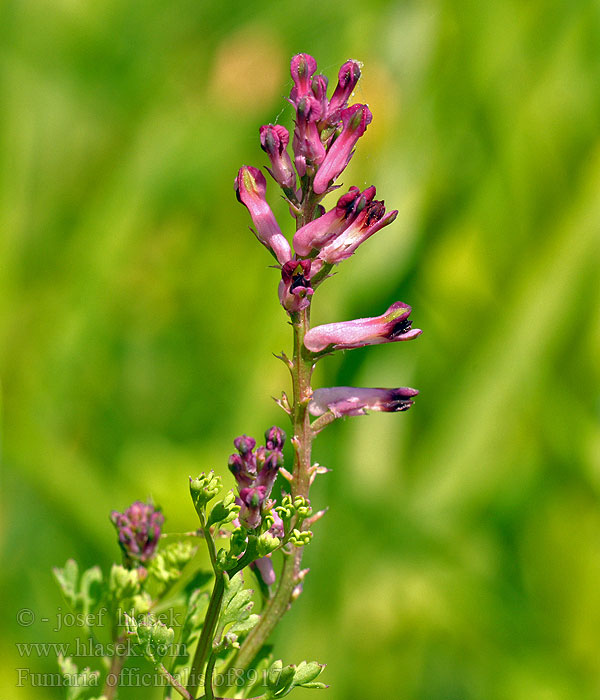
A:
[267,543]
[122,582]
[302,506]
[224,511]
[203,489]
[300,538]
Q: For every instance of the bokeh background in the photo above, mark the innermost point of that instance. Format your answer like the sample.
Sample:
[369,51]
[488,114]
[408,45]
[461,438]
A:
[460,559]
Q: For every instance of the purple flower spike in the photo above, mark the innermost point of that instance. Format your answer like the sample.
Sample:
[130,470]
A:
[302,68]
[355,120]
[347,79]
[139,531]
[315,234]
[252,500]
[370,220]
[274,140]
[294,289]
[251,188]
[353,401]
[391,326]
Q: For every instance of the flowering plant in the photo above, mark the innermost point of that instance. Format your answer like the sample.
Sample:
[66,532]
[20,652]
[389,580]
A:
[220,649]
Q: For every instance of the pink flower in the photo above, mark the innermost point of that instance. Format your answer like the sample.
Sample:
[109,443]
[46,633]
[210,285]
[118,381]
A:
[347,78]
[302,67]
[315,234]
[353,401]
[392,326]
[274,140]
[309,151]
[295,289]
[370,220]
[251,188]
[355,120]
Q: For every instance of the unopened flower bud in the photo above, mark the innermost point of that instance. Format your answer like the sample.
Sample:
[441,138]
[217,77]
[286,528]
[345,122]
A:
[139,531]
[274,140]
[275,438]
[302,68]
[355,120]
[347,80]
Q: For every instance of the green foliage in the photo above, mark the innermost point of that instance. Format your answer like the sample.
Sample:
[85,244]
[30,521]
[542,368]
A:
[281,680]
[151,636]
[83,593]
[203,489]
[169,561]
[77,683]
[224,511]
[235,617]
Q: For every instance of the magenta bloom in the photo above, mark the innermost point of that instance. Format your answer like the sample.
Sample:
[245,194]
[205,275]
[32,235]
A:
[302,67]
[370,220]
[294,289]
[251,501]
[347,79]
[139,531]
[355,120]
[274,140]
[309,151]
[315,234]
[251,188]
[353,401]
[392,326]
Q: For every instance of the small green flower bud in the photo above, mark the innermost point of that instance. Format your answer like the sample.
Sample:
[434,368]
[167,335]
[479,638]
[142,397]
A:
[122,582]
[266,544]
[203,489]
[300,538]
[224,511]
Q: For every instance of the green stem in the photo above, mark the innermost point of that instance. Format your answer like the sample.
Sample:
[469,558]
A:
[302,366]
[174,682]
[208,681]
[212,616]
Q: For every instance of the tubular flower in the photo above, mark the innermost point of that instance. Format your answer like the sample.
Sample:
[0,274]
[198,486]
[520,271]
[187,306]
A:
[355,120]
[302,68]
[392,326]
[347,79]
[315,234]
[294,289]
[309,151]
[354,401]
[370,220]
[139,531]
[274,140]
[251,188]
[251,500]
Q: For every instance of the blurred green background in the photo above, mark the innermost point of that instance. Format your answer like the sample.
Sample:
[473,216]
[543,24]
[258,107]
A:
[460,559]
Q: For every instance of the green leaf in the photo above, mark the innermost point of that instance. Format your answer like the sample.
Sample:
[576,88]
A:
[82,593]
[169,562]
[281,679]
[76,683]
[151,636]
[235,612]
[224,511]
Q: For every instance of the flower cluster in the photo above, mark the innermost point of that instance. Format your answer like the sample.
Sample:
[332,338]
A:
[138,529]
[255,471]
[326,131]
